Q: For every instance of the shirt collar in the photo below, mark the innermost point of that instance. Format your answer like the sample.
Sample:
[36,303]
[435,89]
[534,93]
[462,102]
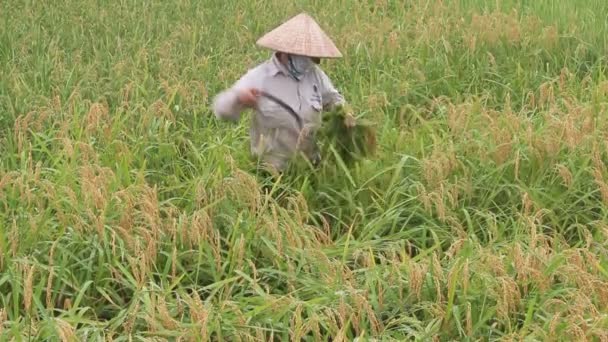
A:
[277,66]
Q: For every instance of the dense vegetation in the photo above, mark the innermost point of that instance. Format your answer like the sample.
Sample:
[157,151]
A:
[128,212]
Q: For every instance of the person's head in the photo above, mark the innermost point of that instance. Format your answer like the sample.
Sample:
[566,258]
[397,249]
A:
[296,65]
[300,38]
[284,57]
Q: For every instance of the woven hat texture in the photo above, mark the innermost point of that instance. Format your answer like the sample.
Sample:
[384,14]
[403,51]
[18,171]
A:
[300,35]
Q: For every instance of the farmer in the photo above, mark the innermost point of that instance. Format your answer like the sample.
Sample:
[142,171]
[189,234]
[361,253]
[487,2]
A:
[288,92]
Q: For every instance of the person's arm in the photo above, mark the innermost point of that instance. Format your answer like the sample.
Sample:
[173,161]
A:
[331,96]
[228,104]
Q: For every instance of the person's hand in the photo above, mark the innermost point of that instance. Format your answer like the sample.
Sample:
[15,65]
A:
[249,97]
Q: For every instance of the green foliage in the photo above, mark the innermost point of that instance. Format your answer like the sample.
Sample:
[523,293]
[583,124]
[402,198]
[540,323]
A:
[128,212]
[350,137]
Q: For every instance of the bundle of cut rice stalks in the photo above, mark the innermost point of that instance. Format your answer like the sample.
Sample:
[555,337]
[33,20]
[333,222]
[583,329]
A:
[352,138]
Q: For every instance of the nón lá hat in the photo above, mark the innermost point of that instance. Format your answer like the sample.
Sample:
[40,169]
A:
[300,35]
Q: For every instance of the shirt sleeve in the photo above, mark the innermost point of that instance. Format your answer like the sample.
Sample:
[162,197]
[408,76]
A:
[226,105]
[331,96]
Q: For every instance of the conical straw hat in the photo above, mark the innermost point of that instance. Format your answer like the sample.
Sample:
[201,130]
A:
[300,35]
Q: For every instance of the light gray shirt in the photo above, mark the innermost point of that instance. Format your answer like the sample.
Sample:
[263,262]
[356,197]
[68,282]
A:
[274,133]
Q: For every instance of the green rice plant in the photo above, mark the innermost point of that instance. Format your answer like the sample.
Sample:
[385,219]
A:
[352,138]
[128,212]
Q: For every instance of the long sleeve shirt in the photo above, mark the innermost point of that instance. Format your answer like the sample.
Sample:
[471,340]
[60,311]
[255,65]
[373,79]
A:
[274,133]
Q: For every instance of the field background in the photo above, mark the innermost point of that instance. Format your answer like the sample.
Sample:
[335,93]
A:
[128,212]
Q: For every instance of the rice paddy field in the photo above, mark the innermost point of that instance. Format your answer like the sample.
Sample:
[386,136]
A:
[128,212]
